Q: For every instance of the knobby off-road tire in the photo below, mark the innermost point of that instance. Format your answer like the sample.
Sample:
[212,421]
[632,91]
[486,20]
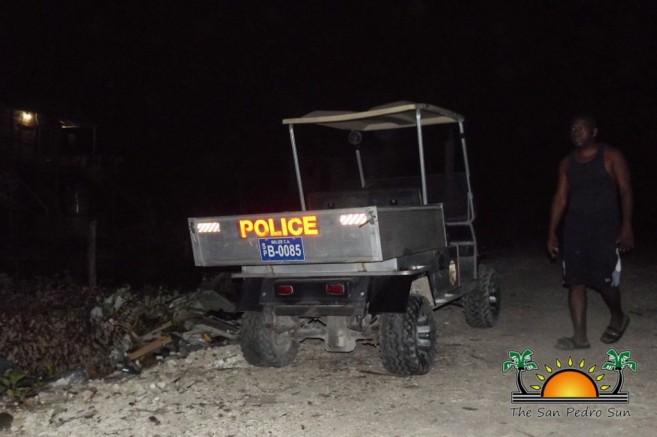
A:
[408,341]
[264,347]
[482,305]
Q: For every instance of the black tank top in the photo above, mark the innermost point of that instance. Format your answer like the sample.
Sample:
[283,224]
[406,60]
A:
[593,194]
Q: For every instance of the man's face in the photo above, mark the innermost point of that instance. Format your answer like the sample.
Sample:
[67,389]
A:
[582,133]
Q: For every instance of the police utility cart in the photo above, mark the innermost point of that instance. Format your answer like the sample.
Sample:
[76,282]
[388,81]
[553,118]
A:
[370,263]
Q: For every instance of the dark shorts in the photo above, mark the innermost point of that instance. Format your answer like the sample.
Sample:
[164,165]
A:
[591,261]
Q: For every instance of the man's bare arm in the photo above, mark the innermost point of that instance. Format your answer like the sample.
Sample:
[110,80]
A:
[621,173]
[558,207]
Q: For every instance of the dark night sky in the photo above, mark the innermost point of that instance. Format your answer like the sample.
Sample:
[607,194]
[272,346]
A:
[191,94]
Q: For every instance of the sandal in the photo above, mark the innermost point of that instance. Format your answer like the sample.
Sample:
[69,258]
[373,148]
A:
[612,335]
[569,344]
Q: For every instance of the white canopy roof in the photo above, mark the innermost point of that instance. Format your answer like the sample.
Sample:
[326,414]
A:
[391,116]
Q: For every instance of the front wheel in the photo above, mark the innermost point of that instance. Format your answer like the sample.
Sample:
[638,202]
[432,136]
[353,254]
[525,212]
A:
[482,305]
[408,340]
[262,346]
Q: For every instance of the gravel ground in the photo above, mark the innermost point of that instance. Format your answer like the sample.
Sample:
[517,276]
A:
[214,392]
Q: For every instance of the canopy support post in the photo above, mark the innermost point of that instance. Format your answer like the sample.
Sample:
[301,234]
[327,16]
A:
[296,168]
[420,143]
[360,168]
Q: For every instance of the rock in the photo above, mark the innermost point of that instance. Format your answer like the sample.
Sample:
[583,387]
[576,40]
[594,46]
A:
[74,377]
[230,362]
[5,421]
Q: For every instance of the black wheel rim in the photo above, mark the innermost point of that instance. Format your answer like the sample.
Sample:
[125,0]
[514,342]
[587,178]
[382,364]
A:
[423,333]
[493,296]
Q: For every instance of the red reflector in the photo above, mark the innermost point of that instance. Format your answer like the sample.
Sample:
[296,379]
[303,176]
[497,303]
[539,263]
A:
[284,290]
[335,288]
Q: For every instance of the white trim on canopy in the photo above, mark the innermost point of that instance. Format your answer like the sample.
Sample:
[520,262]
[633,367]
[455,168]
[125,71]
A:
[392,116]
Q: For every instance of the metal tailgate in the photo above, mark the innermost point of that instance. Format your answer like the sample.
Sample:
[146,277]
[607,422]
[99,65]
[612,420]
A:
[365,234]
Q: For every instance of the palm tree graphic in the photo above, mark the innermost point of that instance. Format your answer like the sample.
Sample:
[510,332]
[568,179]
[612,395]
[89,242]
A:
[617,362]
[521,362]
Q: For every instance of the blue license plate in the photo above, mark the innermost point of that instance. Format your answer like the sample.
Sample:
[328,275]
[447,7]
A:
[281,249]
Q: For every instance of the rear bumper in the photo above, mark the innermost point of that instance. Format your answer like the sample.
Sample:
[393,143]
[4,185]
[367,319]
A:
[363,294]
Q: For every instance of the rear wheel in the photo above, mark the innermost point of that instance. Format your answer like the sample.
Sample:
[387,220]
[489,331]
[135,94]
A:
[264,347]
[408,340]
[482,305]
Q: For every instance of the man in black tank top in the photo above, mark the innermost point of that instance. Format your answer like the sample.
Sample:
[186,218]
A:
[593,182]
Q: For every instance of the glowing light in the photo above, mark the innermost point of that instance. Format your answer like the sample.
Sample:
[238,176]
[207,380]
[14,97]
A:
[208,227]
[27,117]
[280,227]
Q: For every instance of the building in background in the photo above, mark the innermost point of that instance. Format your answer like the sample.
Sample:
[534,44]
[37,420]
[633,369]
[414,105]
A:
[50,174]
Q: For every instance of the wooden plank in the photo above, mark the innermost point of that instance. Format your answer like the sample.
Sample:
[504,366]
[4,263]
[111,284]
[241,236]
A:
[150,347]
[149,336]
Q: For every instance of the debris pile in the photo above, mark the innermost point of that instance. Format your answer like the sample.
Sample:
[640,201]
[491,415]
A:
[45,327]
[51,329]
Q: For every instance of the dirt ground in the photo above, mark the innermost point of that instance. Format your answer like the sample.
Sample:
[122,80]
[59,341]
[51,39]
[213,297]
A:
[214,392]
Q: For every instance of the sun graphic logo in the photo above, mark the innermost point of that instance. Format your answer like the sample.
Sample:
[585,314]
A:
[574,383]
